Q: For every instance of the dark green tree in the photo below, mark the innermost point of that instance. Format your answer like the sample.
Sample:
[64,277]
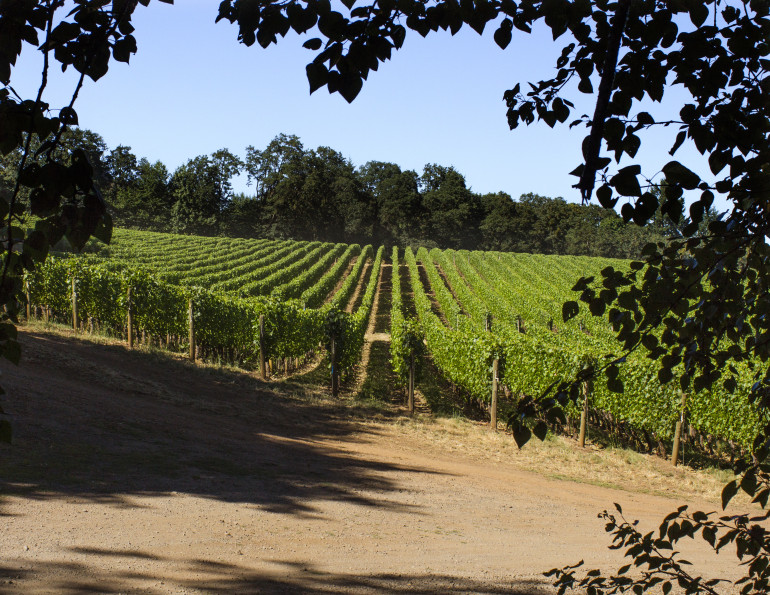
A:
[497,227]
[453,212]
[201,190]
[552,220]
[313,195]
[397,201]
[263,168]
[122,168]
[228,166]
[196,187]
[153,195]
[138,194]
[242,217]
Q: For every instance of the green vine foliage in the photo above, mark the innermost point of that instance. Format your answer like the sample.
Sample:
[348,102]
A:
[296,287]
[341,298]
[535,360]
[207,270]
[291,330]
[280,272]
[316,292]
[407,341]
[223,323]
[531,362]
[357,322]
[464,358]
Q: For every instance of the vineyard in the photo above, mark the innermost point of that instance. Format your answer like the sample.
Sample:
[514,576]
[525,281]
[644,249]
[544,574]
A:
[491,322]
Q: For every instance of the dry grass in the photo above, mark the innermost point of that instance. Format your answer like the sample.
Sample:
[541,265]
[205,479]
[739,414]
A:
[560,457]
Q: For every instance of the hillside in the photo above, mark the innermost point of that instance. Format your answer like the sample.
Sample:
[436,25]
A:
[276,305]
[135,471]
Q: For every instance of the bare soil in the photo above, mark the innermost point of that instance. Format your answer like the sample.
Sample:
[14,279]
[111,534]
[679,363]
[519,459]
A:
[138,472]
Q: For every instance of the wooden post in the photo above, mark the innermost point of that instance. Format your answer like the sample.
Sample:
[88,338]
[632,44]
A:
[584,416]
[191,325]
[677,438]
[130,321]
[335,383]
[29,300]
[519,325]
[493,405]
[488,322]
[262,366]
[74,304]
[678,435]
[410,401]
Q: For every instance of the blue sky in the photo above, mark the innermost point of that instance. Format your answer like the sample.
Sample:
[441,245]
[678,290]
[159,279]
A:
[192,89]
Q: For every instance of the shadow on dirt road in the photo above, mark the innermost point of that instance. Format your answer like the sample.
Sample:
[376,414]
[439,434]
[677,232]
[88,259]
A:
[288,577]
[104,423]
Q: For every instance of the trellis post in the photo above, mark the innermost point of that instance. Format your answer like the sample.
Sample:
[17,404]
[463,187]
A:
[335,372]
[262,366]
[130,320]
[678,434]
[410,401]
[74,304]
[191,325]
[493,404]
[584,416]
[29,300]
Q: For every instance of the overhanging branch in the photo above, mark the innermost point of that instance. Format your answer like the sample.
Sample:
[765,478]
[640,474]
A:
[593,148]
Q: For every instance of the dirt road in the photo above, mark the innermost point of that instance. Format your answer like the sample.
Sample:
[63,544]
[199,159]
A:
[131,473]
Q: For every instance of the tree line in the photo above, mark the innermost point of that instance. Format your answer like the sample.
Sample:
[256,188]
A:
[318,194]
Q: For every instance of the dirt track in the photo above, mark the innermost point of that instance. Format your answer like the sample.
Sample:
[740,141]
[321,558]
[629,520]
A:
[130,473]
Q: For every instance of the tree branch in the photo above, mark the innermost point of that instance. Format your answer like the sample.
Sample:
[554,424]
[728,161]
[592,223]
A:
[52,8]
[63,126]
[591,152]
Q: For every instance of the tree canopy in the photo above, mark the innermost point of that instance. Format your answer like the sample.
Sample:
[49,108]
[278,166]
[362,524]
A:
[375,202]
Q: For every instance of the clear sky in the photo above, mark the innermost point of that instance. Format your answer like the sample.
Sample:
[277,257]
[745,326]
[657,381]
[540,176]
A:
[192,89]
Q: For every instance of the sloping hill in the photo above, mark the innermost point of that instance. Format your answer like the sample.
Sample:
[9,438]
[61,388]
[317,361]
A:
[133,471]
